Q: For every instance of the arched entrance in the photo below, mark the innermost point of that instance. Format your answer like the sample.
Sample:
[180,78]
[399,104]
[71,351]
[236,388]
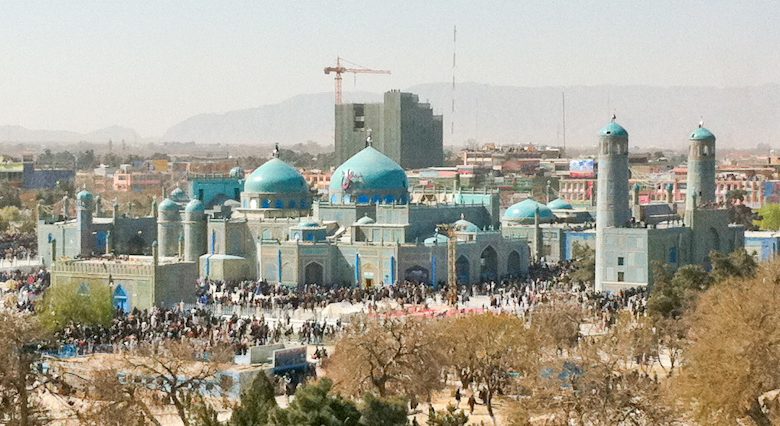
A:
[416,274]
[513,264]
[488,264]
[313,273]
[463,270]
[120,299]
[714,239]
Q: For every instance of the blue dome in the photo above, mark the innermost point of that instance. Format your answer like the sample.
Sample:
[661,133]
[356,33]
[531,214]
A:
[167,205]
[84,196]
[278,177]
[613,129]
[464,225]
[438,239]
[178,195]
[194,206]
[526,210]
[702,134]
[559,204]
[371,175]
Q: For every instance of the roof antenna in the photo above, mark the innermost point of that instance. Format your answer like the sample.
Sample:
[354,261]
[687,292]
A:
[275,153]
[369,142]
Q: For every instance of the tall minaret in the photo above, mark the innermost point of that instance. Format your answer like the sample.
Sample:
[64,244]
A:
[700,188]
[84,206]
[612,207]
[168,228]
[194,225]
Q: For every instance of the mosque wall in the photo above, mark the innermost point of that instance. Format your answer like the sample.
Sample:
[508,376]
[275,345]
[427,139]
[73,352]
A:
[215,190]
[134,235]
[174,283]
[136,280]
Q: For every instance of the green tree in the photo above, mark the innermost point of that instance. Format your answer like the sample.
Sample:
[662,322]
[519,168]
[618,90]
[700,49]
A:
[769,216]
[584,263]
[377,411]
[738,264]
[256,403]
[449,417]
[81,303]
[315,406]
[674,293]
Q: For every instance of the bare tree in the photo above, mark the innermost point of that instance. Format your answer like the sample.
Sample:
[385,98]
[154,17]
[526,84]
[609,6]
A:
[387,356]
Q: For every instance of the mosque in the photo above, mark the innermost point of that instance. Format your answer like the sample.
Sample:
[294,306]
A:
[371,230]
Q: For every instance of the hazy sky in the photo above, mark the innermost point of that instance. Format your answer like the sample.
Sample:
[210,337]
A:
[83,65]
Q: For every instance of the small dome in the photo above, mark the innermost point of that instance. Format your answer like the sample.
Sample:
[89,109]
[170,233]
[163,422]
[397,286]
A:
[525,211]
[365,220]
[559,204]
[237,173]
[167,205]
[194,206]
[84,196]
[309,224]
[178,195]
[613,129]
[276,176]
[231,203]
[438,239]
[371,176]
[702,134]
[464,225]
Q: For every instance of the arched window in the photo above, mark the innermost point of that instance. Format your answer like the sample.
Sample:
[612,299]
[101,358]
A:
[266,204]
[362,199]
[279,204]
[291,204]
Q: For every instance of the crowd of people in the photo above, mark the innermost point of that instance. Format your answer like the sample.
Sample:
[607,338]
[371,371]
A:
[17,245]
[21,290]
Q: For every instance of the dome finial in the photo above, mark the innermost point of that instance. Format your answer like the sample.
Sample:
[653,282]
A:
[369,142]
[462,216]
[275,153]
[614,117]
[701,121]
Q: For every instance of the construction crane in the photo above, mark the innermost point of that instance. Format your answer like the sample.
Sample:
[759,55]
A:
[341,69]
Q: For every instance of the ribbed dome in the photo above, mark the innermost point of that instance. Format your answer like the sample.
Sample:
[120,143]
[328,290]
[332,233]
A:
[277,177]
[526,210]
[559,204]
[369,171]
[84,196]
[167,205]
[194,206]
[702,134]
[613,129]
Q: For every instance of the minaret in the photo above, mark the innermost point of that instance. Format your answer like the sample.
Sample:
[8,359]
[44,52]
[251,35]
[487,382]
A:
[84,206]
[612,208]
[168,228]
[700,188]
[194,231]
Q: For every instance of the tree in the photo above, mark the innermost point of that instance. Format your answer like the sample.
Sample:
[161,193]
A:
[19,377]
[739,213]
[113,402]
[733,355]
[558,324]
[315,406]
[584,264]
[387,356]
[488,349]
[383,411]
[256,403]
[9,196]
[769,217]
[449,417]
[180,371]
[598,383]
[79,303]
[674,293]
[738,264]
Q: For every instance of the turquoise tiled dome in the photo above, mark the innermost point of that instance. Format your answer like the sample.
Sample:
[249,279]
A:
[464,225]
[702,134]
[369,177]
[276,176]
[194,206]
[178,195]
[613,129]
[84,196]
[167,205]
[559,204]
[525,210]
